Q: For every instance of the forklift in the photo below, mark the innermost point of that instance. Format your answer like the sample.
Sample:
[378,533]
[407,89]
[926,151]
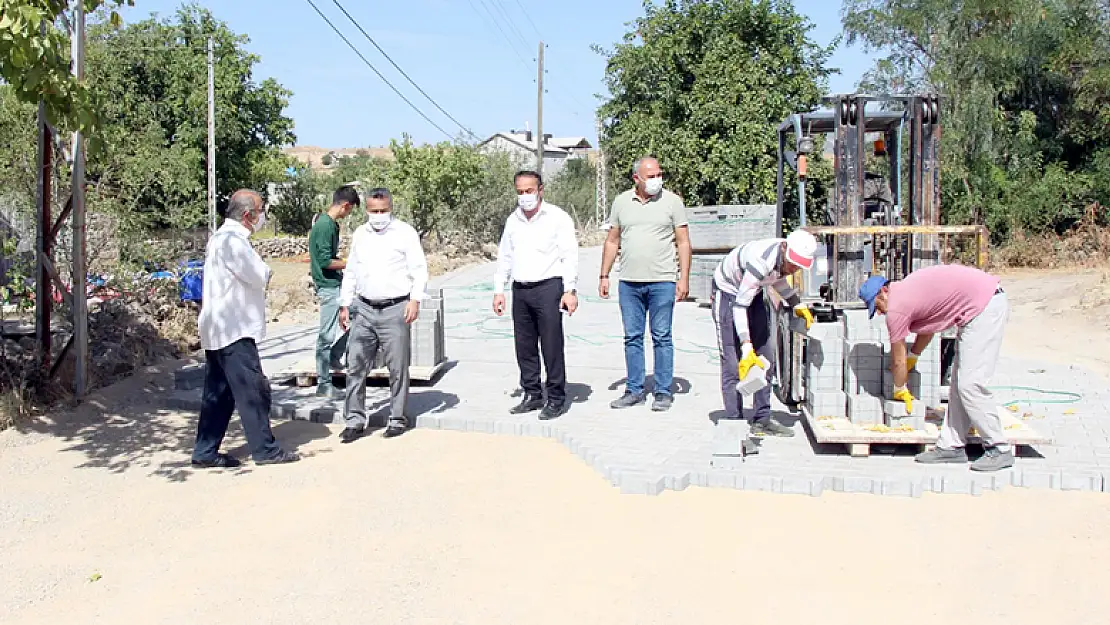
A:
[874,223]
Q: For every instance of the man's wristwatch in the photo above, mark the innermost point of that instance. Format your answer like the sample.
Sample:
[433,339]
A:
[603,277]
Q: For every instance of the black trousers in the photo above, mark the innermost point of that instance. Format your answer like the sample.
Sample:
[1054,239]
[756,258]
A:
[538,325]
[234,379]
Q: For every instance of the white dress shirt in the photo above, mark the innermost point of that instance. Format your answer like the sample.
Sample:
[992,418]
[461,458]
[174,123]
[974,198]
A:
[234,291]
[384,264]
[545,246]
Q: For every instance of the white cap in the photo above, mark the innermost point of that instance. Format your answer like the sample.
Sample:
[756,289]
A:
[800,248]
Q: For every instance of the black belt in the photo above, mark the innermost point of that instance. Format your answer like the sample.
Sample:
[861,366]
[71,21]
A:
[383,303]
[527,285]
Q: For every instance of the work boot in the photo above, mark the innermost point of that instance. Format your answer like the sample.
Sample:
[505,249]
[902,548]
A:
[770,427]
[627,400]
[939,455]
[993,460]
[751,447]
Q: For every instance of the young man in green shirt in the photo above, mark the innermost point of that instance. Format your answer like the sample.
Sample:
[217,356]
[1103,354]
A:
[327,274]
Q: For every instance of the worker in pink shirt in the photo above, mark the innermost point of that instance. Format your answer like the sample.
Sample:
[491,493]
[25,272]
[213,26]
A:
[932,300]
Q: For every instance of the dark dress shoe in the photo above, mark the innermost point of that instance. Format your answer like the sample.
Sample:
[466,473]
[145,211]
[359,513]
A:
[528,404]
[283,457]
[394,430]
[221,461]
[349,435]
[552,410]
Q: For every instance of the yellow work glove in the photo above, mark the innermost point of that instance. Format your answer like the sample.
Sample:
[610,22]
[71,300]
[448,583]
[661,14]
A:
[802,311]
[903,394]
[748,360]
[911,361]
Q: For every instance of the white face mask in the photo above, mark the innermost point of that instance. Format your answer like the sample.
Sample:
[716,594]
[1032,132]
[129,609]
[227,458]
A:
[527,201]
[256,226]
[652,186]
[379,221]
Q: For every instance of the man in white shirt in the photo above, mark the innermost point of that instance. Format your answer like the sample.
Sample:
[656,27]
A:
[380,296]
[743,317]
[232,321]
[539,249]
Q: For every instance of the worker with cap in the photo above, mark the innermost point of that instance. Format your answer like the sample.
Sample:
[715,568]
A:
[743,318]
[932,300]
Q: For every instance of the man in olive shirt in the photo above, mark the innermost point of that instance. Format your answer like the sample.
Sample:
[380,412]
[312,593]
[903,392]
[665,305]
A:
[327,274]
[648,227]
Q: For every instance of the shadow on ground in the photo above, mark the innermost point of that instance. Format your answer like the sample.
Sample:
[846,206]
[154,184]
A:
[681,386]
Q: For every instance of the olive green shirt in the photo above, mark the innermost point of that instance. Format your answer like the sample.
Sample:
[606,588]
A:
[648,252]
[323,247]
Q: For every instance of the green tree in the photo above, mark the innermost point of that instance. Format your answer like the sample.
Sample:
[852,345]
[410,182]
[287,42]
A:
[35,58]
[145,78]
[299,201]
[574,189]
[1023,86]
[433,180]
[702,85]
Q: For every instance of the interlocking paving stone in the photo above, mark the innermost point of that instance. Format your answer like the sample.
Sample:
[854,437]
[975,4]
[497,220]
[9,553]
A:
[640,451]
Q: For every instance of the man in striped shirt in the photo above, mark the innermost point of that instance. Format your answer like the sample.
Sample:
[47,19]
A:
[743,317]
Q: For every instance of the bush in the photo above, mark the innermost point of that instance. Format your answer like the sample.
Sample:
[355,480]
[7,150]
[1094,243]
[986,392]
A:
[298,203]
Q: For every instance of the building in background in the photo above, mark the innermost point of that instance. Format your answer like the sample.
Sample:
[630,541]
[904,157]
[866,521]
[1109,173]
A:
[521,146]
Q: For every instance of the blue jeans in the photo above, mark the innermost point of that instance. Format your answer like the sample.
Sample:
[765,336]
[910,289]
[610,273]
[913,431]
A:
[331,342]
[642,302]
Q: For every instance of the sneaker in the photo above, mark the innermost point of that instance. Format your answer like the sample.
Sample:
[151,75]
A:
[770,427]
[662,403]
[942,456]
[993,460]
[627,400]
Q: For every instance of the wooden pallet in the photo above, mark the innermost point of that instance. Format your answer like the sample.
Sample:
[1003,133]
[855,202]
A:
[860,438]
[304,378]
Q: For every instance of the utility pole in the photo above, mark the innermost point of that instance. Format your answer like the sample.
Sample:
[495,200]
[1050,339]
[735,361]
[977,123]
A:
[599,171]
[539,112]
[80,270]
[211,140]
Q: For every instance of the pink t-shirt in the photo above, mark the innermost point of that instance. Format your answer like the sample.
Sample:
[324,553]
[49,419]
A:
[933,299]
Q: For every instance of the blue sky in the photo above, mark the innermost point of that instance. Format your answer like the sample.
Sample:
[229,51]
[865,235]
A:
[453,50]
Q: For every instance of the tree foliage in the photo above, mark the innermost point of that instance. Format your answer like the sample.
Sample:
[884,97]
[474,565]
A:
[147,78]
[702,85]
[1024,86]
[299,201]
[35,58]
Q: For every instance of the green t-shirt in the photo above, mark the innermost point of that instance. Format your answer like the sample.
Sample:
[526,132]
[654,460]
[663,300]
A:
[323,247]
[648,250]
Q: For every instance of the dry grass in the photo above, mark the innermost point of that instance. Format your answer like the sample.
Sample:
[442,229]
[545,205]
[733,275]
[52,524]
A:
[1085,245]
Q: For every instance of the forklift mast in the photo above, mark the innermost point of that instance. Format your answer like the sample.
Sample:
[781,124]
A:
[856,256]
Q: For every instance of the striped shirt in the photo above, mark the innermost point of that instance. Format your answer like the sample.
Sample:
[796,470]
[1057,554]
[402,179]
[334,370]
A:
[746,271]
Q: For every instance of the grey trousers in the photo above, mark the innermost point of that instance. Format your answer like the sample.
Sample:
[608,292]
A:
[373,329]
[970,402]
[728,344]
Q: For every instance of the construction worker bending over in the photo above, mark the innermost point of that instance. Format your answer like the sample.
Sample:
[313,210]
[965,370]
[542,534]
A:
[932,300]
[743,318]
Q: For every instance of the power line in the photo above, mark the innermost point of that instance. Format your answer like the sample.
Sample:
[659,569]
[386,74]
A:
[509,20]
[498,26]
[529,18]
[375,70]
[398,68]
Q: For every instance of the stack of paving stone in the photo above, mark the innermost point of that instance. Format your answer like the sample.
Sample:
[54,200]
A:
[702,267]
[923,383]
[848,374]
[865,343]
[825,370]
[426,338]
[726,227]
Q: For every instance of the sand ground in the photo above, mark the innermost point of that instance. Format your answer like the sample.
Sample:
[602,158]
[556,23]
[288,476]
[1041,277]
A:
[102,521]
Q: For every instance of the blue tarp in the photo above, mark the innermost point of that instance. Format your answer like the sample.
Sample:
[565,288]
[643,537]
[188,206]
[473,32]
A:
[191,281]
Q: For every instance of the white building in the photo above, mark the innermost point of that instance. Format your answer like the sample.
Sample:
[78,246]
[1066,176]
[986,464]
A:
[522,147]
